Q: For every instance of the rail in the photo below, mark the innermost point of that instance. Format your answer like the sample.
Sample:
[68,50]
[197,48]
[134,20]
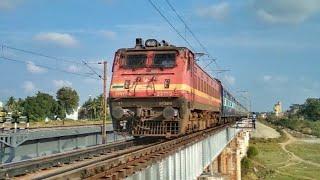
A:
[28,166]
[122,163]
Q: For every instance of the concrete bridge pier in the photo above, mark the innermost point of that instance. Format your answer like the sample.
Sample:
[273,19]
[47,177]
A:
[227,165]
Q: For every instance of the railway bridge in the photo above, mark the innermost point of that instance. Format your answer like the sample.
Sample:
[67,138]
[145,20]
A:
[217,156]
[210,154]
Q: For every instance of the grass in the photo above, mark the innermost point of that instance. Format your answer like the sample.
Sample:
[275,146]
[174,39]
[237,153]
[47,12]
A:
[65,123]
[274,163]
[301,170]
[307,151]
[270,154]
[303,126]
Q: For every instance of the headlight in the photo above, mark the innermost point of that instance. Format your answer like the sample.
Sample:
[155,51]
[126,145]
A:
[151,43]
[169,112]
[166,83]
[126,84]
[117,112]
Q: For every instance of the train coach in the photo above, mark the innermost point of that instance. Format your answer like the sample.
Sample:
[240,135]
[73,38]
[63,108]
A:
[158,89]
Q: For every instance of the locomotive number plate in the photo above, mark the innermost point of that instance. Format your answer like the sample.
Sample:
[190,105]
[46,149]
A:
[165,103]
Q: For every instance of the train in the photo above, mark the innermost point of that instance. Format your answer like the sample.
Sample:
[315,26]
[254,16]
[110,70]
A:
[158,89]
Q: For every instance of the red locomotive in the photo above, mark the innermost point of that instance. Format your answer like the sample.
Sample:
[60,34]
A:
[158,89]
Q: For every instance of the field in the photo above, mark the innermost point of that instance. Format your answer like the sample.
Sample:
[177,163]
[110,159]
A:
[58,123]
[286,157]
[65,123]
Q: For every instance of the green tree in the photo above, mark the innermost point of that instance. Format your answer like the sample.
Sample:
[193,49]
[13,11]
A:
[15,106]
[11,104]
[311,109]
[68,100]
[91,109]
[40,106]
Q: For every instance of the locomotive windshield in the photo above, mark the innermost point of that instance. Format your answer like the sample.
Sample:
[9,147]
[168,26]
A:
[164,60]
[135,60]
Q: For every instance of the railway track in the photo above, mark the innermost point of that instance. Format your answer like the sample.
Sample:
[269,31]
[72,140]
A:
[21,168]
[113,161]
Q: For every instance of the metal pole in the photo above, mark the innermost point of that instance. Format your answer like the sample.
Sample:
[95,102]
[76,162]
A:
[104,136]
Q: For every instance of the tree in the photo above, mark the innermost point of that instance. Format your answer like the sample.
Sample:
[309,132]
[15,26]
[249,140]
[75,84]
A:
[311,109]
[11,104]
[68,100]
[91,109]
[15,106]
[40,106]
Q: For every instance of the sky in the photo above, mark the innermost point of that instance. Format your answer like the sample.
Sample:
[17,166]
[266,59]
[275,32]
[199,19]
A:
[271,47]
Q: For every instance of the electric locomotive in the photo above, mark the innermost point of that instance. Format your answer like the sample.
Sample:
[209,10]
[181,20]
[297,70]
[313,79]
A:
[158,89]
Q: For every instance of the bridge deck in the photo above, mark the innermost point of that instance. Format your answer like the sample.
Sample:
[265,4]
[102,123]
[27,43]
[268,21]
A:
[188,162]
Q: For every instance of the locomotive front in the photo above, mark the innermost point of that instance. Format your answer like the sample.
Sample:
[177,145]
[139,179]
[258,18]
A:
[147,93]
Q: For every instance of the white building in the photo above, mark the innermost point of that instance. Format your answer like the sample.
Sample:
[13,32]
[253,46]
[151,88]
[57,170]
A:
[1,104]
[74,115]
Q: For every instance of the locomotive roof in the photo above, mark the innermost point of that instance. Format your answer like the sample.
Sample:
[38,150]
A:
[159,48]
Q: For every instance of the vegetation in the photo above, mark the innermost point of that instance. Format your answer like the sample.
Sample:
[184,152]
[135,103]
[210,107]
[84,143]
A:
[304,118]
[40,106]
[252,152]
[92,108]
[43,105]
[307,151]
[304,126]
[272,162]
[246,165]
[43,124]
[68,100]
[311,109]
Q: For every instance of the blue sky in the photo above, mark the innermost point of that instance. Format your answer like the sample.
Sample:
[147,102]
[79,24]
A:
[271,47]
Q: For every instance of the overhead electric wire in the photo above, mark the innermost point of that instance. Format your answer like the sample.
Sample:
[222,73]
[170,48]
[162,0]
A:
[86,64]
[39,54]
[170,24]
[83,63]
[47,67]
[193,35]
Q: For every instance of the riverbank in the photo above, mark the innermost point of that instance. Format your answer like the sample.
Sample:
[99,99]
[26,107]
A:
[284,157]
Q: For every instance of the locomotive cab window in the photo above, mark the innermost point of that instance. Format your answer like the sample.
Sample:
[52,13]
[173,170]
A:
[135,60]
[167,60]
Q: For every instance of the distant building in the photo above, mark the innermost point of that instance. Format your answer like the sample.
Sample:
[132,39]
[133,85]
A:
[263,115]
[1,105]
[277,108]
[74,115]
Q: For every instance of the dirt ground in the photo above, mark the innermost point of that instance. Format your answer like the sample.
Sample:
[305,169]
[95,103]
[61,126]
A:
[292,158]
[263,131]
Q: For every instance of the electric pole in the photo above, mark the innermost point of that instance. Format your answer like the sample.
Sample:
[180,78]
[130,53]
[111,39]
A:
[104,102]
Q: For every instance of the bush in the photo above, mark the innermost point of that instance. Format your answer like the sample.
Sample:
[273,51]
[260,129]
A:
[245,165]
[252,152]
[305,126]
